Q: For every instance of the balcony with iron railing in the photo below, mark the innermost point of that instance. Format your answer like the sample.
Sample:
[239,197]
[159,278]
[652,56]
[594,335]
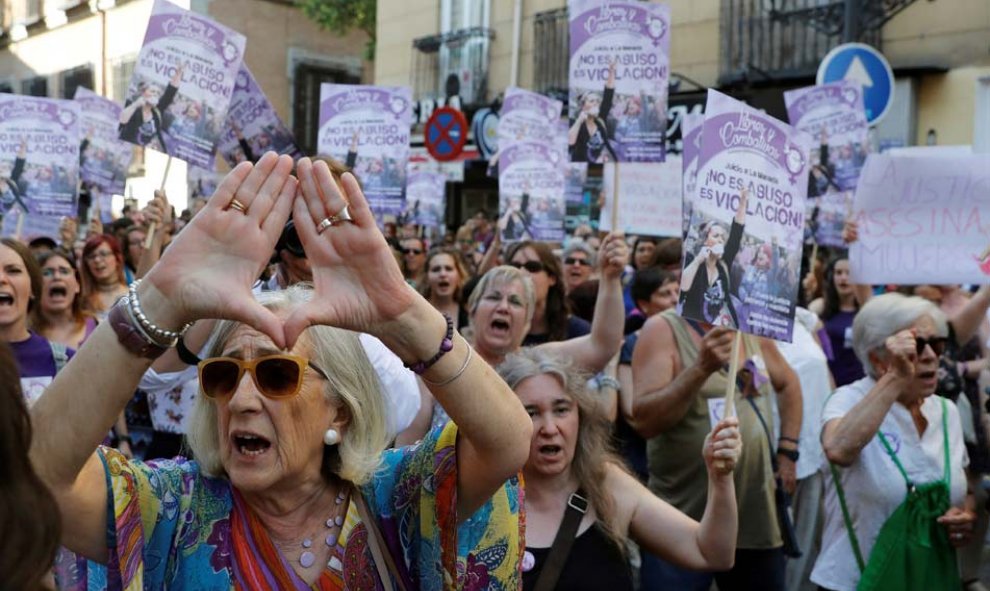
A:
[453,63]
[779,40]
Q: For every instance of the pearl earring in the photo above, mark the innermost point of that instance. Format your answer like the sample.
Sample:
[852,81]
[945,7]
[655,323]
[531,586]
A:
[331,437]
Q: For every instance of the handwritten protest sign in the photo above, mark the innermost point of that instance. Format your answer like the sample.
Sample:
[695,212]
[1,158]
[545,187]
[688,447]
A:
[650,197]
[104,159]
[39,155]
[527,116]
[691,125]
[922,220]
[253,127]
[182,84]
[619,69]
[743,249]
[531,191]
[367,128]
[834,115]
[426,198]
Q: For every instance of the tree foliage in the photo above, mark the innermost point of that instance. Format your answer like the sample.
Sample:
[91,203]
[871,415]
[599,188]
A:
[342,16]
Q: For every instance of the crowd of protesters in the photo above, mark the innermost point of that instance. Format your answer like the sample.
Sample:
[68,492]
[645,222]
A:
[465,413]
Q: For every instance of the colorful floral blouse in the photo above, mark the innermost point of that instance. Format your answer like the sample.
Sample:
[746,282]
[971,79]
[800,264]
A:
[171,527]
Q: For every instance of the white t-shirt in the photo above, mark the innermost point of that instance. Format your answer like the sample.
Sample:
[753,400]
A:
[873,485]
[808,361]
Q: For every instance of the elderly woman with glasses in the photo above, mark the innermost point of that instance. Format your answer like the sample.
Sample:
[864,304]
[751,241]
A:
[290,486]
[896,505]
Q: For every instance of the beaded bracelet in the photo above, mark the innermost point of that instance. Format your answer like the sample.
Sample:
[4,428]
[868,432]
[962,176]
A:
[457,374]
[157,334]
[445,346]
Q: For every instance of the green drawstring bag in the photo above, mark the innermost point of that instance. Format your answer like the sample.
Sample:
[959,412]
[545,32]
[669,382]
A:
[912,551]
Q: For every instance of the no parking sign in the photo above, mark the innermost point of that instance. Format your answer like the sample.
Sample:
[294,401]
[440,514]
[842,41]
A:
[445,134]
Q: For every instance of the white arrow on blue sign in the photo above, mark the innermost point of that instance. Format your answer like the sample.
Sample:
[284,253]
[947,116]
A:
[861,63]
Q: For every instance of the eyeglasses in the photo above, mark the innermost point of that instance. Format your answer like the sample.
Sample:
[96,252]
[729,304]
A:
[276,376]
[49,272]
[530,266]
[412,251]
[936,343]
[100,254]
[574,261]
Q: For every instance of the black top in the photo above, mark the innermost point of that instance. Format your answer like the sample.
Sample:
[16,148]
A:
[589,148]
[703,301]
[576,327]
[594,564]
[141,132]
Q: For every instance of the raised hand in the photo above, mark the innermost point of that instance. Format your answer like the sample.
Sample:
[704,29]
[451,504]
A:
[902,353]
[613,256]
[358,284]
[716,349]
[208,270]
[723,447]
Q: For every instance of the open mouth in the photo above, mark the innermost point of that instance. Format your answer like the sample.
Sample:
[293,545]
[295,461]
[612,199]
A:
[927,375]
[58,291]
[6,299]
[500,326]
[250,445]
[550,450]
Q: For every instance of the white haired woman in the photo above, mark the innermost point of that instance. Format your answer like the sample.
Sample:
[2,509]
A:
[583,505]
[896,505]
[291,487]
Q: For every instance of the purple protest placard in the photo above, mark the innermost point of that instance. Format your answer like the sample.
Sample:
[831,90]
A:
[527,116]
[253,127]
[832,114]
[39,155]
[531,192]
[922,220]
[182,84]
[426,198]
[104,159]
[742,258]
[367,128]
[31,226]
[619,69]
[690,150]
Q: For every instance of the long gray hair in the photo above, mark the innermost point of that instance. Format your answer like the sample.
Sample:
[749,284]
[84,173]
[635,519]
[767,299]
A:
[593,451]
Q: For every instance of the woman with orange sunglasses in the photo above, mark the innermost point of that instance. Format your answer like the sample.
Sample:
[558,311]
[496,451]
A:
[290,486]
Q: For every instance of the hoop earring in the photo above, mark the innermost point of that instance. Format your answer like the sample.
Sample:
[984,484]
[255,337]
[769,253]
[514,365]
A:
[331,437]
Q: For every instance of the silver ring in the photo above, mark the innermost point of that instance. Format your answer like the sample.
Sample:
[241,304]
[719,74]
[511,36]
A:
[344,215]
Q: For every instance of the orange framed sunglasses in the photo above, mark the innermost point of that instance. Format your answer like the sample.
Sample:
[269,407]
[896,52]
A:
[276,376]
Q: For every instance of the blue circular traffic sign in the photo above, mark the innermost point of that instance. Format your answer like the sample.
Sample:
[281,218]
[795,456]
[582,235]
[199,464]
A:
[861,63]
[445,134]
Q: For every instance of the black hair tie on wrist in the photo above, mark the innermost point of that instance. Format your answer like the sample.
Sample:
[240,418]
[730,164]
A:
[187,356]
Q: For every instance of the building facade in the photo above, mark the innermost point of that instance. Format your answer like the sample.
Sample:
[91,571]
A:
[938,50]
[50,47]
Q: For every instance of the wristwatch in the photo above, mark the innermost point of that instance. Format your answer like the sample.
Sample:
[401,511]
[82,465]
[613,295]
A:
[790,454]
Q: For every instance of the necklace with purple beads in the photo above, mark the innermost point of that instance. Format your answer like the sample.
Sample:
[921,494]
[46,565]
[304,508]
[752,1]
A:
[334,525]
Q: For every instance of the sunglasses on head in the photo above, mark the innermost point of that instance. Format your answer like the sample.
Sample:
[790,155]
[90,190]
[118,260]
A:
[574,261]
[530,266]
[936,343]
[275,376]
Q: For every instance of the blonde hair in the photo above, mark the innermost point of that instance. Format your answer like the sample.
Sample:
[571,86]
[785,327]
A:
[593,449]
[502,275]
[352,384]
